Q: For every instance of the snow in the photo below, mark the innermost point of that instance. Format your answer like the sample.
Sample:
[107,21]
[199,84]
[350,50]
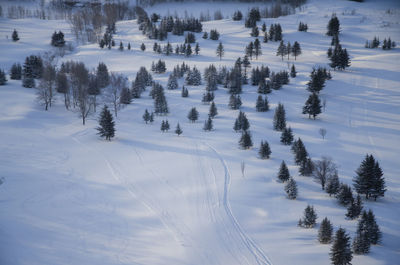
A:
[148,197]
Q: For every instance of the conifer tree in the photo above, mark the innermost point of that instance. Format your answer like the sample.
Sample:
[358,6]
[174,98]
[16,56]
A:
[185,92]
[265,150]
[257,48]
[325,231]
[287,136]
[220,51]
[361,243]
[344,195]
[143,47]
[341,253]
[309,218]
[283,174]
[291,189]
[193,115]
[245,140]
[280,118]
[106,122]
[16,71]
[306,167]
[121,46]
[293,72]
[281,51]
[265,39]
[295,50]
[167,125]
[129,46]
[332,184]
[333,26]
[172,82]
[208,124]
[367,224]
[197,48]
[213,110]
[146,116]
[178,129]
[355,208]
[312,106]
[300,152]
[15,36]
[255,32]
[262,105]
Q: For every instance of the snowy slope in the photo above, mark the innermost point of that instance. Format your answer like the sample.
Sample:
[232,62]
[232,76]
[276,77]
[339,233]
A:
[155,198]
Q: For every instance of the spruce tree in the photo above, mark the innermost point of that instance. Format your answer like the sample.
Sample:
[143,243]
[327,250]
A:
[332,184]
[257,48]
[213,110]
[3,78]
[300,152]
[185,92]
[178,129]
[333,26]
[16,71]
[355,208]
[283,174]
[344,195]
[106,122]
[287,136]
[129,46]
[361,243]
[295,50]
[265,150]
[309,217]
[245,140]
[254,32]
[306,167]
[325,231]
[193,115]
[291,189]
[373,231]
[312,106]
[220,51]
[293,72]
[281,51]
[172,82]
[146,116]
[279,118]
[341,253]
[208,124]
[143,47]
[15,35]
[369,179]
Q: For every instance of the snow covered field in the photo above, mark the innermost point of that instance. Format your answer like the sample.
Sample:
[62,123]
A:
[149,197]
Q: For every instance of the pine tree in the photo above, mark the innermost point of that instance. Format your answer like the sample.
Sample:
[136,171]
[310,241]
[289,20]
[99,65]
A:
[213,110]
[257,48]
[306,167]
[369,179]
[125,96]
[361,243]
[325,231]
[3,78]
[102,75]
[129,46]
[245,140]
[264,27]
[166,126]
[341,253]
[283,174]
[205,35]
[370,227]
[172,82]
[265,150]
[143,47]
[281,51]
[344,195]
[146,116]
[300,152]
[333,26]
[265,39]
[197,48]
[178,129]
[309,217]
[312,106]
[262,105]
[332,184]
[291,189]
[287,136]
[15,35]
[279,118]
[106,122]
[220,51]
[293,72]
[296,50]
[28,81]
[208,124]
[355,208]
[151,117]
[193,115]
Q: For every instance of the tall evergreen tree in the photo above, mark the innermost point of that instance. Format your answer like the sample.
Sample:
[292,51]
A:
[280,118]
[325,231]
[3,78]
[310,217]
[257,48]
[208,124]
[178,129]
[283,174]
[281,51]
[15,36]
[265,150]
[341,253]
[293,72]
[296,50]
[306,167]
[355,208]
[291,189]
[332,184]
[344,195]
[220,51]
[107,125]
[312,106]
[193,115]
[245,140]
[333,26]
[369,179]
[146,116]
[287,136]
[213,110]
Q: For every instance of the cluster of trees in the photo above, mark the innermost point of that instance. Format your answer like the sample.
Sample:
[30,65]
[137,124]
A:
[158,67]
[290,184]
[275,33]
[302,27]
[142,80]
[287,49]
[254,48]
[388,44]
[3,78]
[183,49]
[237,16]
[339,57]
[214,35]
[107,40]
[57,39]
[160,101]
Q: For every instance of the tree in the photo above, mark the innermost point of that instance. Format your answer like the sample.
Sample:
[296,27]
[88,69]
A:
[283,174]
[102,75]
[325,231]
[121,46]
[63,87]
[245,140]
[178,130]
[172,82]
[208,124]
[254,32]
[146,116]
[237,16]
[15,35]
[193,115]
[113,93]
[3,78]
[197,48]
[341,253]
[367,224]
[257,48]
[324,169]
[107,125]
[355,208]
[265,39]
[279,118]
[296,50]
[291,189]
[333,26]
[281,51]
[361,243]
[344,195]
[265,150]
[143,47]
[241,123]
[293,72]
[312,106]
[220,51]
[213,110]
[306,167]
[332,184]
[287,136]
[322,132]
[185,92]
[57,39]
[309,218]
[300,152]
[369,179]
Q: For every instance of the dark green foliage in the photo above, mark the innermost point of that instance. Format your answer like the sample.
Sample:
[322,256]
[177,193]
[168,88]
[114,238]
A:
[237,16]
[310,217]
[325,231]
[214,34]
[264,27]
[165,126]
[265,150]
[160,102]
[344,195]
[287,136]
[102,75]
[257,48]
[207,97]
[264,87]
[299,151]
[213,110]
[361,243]
[306,167]
[291,189]
[369,179]
[275,32]
[293,72]
[106,122]
[355,208]
[241,123]
[193,77]
[205,35]
[312,106]
[16,72]
[15,35]
[262,105]
[193,115]
[252,17]
[190,38]
[333,26]
[283,174]
[3,78]
[33,67]
[341,253]
[282,49]
[254,32]
[220,50]
[235,101]
[332,185]
[143,47]
[317,80]
[208,124]
[245,140]
[339,58]
[172,82]
[368,226]
[280,118]
[57,39]
[295,50]
[185,92]
[178,129]
[146,116]
[302,27]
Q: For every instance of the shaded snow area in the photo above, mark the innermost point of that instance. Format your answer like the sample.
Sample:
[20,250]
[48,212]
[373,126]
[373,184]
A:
[147,197]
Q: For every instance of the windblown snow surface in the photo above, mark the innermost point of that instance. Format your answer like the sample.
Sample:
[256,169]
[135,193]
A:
[148,197]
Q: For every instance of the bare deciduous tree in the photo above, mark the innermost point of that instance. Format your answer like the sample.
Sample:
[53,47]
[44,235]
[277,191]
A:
[322,132]
[113,92]
[324,169]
